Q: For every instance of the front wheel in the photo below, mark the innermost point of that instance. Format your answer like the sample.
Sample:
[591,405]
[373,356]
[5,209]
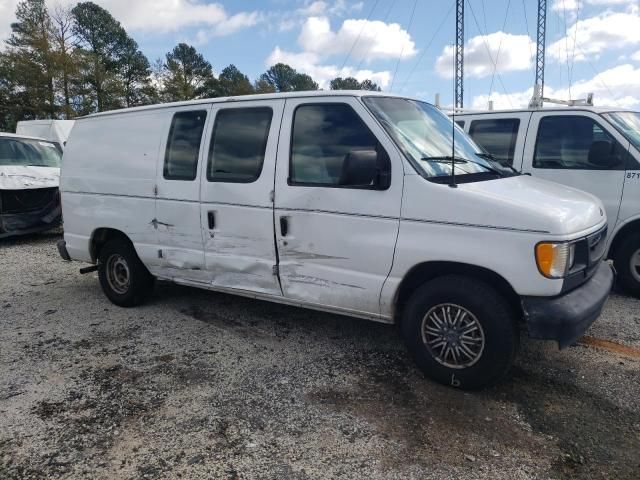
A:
[123,277]
[460,332]
[627,263]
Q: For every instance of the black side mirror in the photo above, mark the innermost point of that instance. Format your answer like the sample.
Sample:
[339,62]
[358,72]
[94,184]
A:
[366,168]
[602,154]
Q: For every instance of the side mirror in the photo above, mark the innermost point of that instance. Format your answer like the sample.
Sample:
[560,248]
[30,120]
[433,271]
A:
[602,154]
[366,168]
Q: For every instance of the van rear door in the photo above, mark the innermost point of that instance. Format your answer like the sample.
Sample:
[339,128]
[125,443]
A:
[578,149]
[237,196]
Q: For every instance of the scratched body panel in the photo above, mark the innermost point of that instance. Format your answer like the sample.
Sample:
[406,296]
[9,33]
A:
[340,242]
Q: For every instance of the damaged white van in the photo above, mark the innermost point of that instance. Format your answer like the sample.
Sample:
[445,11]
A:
[29,178]
[346,202]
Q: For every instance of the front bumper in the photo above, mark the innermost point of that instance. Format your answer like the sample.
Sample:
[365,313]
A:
[566,317]
[37,217]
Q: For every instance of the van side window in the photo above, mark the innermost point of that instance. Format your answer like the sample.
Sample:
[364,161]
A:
[578,143]
[327,145]
[460,123]
[497,136]
[238,144]
[183,146]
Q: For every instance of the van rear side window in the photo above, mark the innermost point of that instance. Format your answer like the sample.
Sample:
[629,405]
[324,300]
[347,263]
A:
[238,144]
[497,136]
[183,146]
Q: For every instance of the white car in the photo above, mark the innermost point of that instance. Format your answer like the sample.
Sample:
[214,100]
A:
[29,181]
[594,149]
[343,202]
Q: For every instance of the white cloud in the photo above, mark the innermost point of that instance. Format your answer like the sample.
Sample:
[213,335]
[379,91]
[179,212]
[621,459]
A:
[636,56]
[481,53]
[313,9]
[360,40]
[619,86]
[310,63]
[365,39]
[594,35]
[155,15]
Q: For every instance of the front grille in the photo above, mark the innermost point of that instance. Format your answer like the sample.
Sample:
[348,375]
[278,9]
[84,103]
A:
[24,201]
[597,243]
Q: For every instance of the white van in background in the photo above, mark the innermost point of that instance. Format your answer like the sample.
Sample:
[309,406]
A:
[53,130]
[343,202]
[593,149]
[29,180]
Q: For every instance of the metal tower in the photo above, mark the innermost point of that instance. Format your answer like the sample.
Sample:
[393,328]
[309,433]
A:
[538,87]
[459,55]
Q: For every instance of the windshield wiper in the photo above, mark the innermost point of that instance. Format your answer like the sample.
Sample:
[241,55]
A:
[449,159]
[491,157]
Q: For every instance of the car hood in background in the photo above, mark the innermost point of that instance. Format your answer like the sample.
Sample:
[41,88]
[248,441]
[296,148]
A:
[24,178]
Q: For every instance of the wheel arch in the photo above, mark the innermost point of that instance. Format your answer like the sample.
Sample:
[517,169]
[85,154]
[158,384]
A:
[100,237]
[426,271]
[628,228]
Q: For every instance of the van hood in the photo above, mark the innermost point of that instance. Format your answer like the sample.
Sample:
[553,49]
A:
[14,177]
[520,203]
[530,203]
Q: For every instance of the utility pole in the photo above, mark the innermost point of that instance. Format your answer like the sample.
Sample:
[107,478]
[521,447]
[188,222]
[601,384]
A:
[459,56]
[538,87]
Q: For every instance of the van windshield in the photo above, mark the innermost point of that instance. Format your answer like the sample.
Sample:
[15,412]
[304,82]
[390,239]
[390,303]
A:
[628,124]
[28,152]
[425,135]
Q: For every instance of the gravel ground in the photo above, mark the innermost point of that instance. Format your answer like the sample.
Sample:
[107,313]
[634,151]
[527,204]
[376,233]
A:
[203,385]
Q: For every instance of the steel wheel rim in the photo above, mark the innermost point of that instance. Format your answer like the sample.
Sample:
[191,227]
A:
[118,275]
[635,265]
[453,335]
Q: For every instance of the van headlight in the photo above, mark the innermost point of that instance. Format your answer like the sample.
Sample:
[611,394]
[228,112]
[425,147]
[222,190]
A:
[555,260]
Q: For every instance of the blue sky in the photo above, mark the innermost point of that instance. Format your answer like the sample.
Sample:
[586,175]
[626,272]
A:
[404,45]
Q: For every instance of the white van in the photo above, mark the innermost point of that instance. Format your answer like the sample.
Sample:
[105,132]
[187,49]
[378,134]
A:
[342,202]
[593,149]
[29,179]
[53,130]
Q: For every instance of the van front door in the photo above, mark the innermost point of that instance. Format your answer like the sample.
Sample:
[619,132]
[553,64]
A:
[237,196]
[577,150]
[336,221]
[177,220]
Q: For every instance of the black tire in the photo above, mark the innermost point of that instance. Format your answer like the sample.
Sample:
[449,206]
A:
[501,336]
[123,277]
[628,278]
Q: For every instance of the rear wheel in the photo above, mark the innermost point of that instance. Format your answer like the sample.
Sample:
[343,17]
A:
[123,277]
[460,332]
[627,263]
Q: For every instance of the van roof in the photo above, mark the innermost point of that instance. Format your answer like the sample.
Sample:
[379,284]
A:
[587,108]
[247,98]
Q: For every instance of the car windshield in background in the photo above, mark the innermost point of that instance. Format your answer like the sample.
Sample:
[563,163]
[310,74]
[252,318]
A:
[27,152]
[628,124]
[425,135]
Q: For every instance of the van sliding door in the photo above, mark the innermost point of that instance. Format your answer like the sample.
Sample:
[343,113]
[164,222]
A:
[237,196]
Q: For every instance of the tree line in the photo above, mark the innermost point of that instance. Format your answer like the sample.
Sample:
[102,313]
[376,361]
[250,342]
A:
[71,62]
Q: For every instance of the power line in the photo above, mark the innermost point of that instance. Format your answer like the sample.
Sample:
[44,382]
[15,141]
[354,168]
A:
[413,12]
[386,17]
[486,46]
[424,51]
[353,46]
[495,65]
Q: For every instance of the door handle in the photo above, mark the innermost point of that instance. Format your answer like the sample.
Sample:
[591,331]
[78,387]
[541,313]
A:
[211,216]
[284,226]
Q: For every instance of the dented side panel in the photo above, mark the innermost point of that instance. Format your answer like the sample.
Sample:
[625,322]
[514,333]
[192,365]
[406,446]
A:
[339,244]
[237,218]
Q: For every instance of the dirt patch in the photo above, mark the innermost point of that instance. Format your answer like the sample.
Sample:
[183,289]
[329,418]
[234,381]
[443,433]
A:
[609,346]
